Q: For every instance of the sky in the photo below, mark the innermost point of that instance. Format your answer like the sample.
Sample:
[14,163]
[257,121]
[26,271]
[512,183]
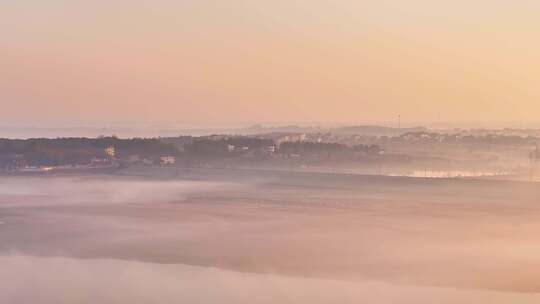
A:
[209,62]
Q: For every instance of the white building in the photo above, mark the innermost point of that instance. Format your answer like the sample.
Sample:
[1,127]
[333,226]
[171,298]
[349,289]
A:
[167,160]
[269,149]
[110,151]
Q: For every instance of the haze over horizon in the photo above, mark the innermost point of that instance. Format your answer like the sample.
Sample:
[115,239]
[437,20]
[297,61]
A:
[261,152]
[242,62]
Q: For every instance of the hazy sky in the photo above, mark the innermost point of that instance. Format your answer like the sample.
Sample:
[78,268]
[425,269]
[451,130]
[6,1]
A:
[230,61]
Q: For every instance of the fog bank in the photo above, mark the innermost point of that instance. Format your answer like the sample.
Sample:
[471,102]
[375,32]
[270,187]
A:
[302,237]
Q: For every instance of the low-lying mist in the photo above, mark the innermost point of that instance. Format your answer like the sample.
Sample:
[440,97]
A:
[274,237]
[41,191]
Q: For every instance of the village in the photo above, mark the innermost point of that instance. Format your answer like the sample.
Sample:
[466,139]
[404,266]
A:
[80,154]
[403,154]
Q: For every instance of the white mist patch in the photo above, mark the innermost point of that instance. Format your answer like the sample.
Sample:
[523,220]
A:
[61,280]
[43,191]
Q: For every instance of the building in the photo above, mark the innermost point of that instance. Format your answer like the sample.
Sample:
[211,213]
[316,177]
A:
[110,151]
[167,160]
[291,138]
[269,149]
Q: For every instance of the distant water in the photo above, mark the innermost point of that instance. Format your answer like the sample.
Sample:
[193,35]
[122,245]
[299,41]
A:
[451,173]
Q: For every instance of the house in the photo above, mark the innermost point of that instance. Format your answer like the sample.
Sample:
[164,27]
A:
[167,160]
[269,149]
[291,138]
[110,151]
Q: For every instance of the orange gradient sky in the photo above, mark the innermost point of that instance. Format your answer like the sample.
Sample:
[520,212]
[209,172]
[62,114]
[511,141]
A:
[242,61]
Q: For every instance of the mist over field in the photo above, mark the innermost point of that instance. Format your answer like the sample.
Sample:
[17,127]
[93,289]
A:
[242,236]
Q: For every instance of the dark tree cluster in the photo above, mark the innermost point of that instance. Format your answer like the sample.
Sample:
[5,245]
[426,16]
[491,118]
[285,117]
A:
[223,146]
[70,151]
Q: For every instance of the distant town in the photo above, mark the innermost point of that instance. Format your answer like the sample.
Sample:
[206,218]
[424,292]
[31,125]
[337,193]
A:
[367,149]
